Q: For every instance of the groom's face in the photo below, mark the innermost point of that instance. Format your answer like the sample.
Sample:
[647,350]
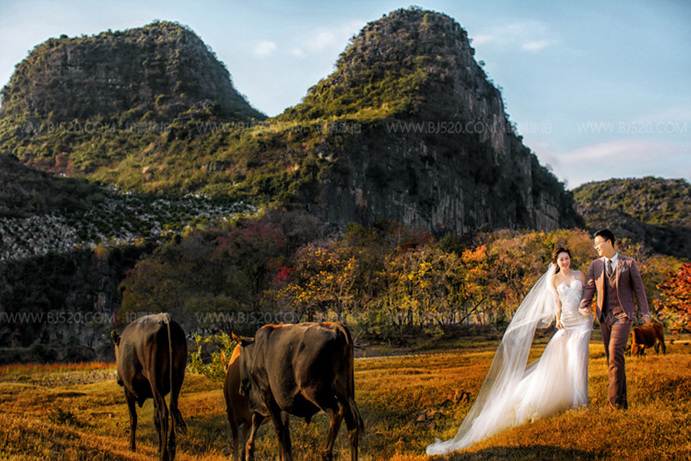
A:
[602,246]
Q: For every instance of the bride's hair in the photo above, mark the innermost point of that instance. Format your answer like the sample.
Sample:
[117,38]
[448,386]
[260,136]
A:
[555,255]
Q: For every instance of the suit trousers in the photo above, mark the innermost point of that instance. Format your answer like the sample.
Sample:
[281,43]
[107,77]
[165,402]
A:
[616,329]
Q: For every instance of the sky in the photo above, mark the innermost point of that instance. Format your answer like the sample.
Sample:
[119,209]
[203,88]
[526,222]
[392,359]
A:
[598,89]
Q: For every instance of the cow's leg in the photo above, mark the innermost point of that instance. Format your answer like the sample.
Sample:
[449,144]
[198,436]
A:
[133,419]
[234,431]
[355,425]
[282,426]
[335,420]
[178,423]
[157,424]
[257,421]
[161,421]
[245,435]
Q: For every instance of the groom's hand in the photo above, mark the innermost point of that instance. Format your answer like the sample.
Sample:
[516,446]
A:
[647,320]
[585,311]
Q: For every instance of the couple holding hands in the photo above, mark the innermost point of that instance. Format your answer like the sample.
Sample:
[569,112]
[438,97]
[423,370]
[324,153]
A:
[515,392]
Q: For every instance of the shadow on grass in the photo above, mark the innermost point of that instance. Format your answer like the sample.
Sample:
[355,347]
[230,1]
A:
[536,452]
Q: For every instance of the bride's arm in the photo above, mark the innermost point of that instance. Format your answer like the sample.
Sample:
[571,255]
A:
[581,276]
[559,325]
[588,292]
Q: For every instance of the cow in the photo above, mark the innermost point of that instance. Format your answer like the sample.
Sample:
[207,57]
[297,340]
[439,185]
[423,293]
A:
[237,405]
[151,355]
[300,369]
[651,335]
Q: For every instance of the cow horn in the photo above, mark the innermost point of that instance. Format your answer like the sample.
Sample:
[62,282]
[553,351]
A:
[115,337]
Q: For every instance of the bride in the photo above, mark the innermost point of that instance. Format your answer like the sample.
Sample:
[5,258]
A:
[515,392]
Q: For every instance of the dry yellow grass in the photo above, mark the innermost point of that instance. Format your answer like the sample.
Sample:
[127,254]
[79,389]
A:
[405,401]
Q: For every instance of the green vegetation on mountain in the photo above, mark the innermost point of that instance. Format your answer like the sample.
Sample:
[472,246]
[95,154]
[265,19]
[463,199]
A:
[392,67]
[652,210]
[152,111]
[41,213]
[27,192]
[153,73]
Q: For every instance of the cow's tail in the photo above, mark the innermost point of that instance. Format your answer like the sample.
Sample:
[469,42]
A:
[170,376]
[352,408]
[175,414]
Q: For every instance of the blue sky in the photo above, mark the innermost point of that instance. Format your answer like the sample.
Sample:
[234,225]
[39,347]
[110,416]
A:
[598,89]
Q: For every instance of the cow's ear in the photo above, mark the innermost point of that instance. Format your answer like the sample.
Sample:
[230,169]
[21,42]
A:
[115,337]
[242,341]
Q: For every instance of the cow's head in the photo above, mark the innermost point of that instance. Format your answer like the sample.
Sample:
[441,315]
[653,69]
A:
[245,363]
[116,342]
[637,349]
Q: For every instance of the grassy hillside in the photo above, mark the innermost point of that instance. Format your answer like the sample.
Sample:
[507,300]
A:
[406,401]
[41,212]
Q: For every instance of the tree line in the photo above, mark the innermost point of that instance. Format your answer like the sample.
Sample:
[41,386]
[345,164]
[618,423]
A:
[384,280]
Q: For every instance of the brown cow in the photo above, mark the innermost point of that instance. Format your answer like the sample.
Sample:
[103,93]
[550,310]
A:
[299,370]
[151,355]
[237,405]
[651,335]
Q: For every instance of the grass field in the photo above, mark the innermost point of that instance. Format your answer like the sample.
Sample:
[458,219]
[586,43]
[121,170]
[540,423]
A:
[78,412]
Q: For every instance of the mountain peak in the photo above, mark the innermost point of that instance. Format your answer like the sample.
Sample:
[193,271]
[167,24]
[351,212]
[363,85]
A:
[152,73]
[406,63]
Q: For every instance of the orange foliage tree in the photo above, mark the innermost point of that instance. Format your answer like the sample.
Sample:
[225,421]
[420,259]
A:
[675,305]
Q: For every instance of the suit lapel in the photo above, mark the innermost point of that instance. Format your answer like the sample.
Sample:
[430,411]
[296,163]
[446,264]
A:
[601,278]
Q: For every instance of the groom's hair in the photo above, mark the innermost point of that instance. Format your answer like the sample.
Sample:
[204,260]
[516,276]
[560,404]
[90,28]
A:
[606,234]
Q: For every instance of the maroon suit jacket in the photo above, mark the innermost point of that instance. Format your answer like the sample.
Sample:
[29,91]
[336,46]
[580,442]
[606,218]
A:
[627,281]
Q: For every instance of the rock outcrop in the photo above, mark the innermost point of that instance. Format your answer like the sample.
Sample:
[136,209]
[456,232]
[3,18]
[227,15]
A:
[153,73]
[433,147]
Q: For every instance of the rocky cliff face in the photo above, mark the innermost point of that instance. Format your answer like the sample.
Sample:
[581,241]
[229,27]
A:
[415,132]
[443,157]
[153,73]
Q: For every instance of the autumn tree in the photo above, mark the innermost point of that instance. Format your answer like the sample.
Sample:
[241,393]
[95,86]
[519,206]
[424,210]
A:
[675,305]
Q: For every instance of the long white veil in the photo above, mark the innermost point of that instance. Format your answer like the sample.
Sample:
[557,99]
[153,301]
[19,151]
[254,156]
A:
[497,396]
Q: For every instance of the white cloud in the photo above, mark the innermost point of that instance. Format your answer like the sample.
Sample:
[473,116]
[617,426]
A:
[323,39]
[264,48]
[620,159]
[535,46]
[327,39]
[680,114]
[297,52]
[531,36]
[483,39]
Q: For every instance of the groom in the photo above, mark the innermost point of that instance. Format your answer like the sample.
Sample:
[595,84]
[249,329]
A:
[615,278]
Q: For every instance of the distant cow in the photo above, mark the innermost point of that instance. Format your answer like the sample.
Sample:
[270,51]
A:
[300,369]
[651,335]
[151,355]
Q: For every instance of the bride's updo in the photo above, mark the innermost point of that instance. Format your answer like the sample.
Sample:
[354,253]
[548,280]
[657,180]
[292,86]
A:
[555,255]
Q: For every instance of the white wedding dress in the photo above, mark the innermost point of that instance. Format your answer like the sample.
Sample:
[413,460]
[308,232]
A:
[515,392]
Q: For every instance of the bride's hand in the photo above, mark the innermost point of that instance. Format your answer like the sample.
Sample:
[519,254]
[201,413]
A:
[559,325]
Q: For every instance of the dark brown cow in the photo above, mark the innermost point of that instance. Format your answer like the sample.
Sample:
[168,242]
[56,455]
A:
[151,355]
[300,369]
[651,335]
